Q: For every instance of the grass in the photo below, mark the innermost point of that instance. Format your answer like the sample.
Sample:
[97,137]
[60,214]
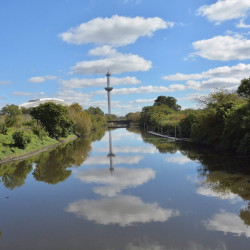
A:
[7,148]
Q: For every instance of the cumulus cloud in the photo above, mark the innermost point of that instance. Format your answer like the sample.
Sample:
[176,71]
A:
[38,79]
[228,77]
[146,89]
[224,10]
[81,83]
[122,178]
[227,223]
[223,48]
[115,31]
[116,62]
[72,96]
[123,210]
[143,101]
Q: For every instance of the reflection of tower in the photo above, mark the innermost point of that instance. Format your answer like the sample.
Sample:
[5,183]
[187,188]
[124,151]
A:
[108,89]
[110,155]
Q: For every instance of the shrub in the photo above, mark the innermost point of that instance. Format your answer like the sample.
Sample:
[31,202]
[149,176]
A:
[3,129]
[40,132]
[21,139]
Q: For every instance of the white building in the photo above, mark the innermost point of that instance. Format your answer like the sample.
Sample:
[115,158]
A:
[37,102]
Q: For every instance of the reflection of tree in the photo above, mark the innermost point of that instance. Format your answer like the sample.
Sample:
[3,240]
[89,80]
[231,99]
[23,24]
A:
[52,166]
[98,134]
[245,215]
[14,174]
[224,175]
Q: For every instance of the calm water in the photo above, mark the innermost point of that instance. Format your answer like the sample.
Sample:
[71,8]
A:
[126,191]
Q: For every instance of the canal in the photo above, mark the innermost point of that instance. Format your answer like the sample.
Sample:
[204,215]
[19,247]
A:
[126,190]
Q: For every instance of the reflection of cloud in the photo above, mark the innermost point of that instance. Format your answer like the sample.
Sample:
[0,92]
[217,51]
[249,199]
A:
[228,223]
[122,178]
[145,246]
[103,160]
[210,192]
[143,150]
[182,159]
[123,210]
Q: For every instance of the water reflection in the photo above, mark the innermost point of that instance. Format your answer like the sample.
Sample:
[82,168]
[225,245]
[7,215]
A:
[123,210]
[122,178]
[50,166]
[227,223]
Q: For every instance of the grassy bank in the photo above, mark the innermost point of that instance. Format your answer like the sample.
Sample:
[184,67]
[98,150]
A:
[8,150]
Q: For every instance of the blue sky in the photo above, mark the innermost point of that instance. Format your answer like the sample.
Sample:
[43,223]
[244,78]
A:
[179,48]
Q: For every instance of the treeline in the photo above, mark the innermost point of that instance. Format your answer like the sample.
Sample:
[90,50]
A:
[45,125]
[223,122]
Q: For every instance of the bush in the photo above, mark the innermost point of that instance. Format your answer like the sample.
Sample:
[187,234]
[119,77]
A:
[21,139]
[40,132]
[3,129]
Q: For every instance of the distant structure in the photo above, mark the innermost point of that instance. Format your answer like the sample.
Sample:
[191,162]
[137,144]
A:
[37,102]
[108,89]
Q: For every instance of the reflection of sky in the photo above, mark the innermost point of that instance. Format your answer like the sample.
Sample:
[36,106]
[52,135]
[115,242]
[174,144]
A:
[123,210]
[127,149]
[227,223]
[103,160]
[121,179]
[179,159]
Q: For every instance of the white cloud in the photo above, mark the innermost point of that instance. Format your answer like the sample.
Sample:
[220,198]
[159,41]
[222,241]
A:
[224,10]
[38,79]
[228,223]
[115,31]
[116,62]
[223,48]
[145,246]
[227,77]
[146,89]
[72,96]
[143,101]
[81,83]
[242,24]
[123,210]
[121,178]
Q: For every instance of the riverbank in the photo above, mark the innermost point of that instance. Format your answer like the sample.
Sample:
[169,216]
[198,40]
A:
[8,153]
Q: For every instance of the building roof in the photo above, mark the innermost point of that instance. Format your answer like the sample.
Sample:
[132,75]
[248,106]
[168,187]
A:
[37,102]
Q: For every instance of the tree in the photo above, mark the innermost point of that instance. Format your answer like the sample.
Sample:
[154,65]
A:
[95,111]
[244,88]
[12,113]
[81,119]
[169,101]
[54,118]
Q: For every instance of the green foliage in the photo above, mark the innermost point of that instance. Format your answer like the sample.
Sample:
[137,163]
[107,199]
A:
[21,139]
[111,117]
[169,101]
[39,131]
[3,129]
[11,110]
[98,118]
[95,111]
[81,120]
[187,123]
[12,114]
[54,118]
[134,117]
[244,88]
